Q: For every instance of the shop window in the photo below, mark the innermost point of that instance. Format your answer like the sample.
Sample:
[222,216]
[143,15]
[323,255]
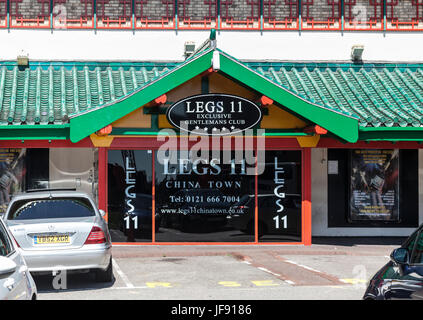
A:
[37,168]
[204,200]
[210,197]
[372,188]
[20,170]
[279,197]
[130,195]
[12,174]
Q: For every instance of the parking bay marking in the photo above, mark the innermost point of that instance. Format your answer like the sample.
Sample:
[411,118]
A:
[122,275]
[232,284]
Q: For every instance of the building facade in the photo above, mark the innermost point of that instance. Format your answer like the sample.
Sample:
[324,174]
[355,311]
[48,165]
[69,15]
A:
[315,137]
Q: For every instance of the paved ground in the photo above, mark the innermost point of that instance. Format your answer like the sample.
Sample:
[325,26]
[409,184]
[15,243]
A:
[321,271]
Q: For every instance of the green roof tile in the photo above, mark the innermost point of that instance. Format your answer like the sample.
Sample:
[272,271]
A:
[46,93]
[380,95]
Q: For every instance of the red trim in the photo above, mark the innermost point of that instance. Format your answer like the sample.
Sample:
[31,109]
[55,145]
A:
[287,24]
[102,180]
[306,222]
[331,143]
[153,193]
[256,238]
[204,243]
[163,24]
[147,143]
[282,143]
[85,143]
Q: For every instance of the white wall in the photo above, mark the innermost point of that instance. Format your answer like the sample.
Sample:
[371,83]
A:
[319,183]
[168,45]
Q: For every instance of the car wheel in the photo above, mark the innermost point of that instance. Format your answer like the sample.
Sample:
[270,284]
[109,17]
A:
[105,275]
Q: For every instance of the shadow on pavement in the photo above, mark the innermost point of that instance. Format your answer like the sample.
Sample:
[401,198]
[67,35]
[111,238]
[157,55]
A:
[73,282]
[353,241]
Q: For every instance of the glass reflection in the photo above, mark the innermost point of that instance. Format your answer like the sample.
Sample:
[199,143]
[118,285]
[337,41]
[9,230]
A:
[130,195]
[279,197]
[196,200]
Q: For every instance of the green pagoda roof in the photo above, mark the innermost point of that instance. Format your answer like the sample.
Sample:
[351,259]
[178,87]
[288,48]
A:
[70,94]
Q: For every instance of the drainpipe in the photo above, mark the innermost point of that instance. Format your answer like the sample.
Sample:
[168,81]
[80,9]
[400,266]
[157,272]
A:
[300,21]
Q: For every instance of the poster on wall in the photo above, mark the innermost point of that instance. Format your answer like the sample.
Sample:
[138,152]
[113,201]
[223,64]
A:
[374,191]
[12,174]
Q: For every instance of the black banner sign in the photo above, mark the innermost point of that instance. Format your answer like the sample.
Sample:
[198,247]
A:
[214,114]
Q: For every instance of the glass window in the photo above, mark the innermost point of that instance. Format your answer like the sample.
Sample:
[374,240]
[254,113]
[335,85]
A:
[279,197]
[5,245]
[12,174]
[204,199]
[51,209]
[130,201]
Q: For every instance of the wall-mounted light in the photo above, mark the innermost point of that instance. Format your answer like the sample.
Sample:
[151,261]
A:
[357,52]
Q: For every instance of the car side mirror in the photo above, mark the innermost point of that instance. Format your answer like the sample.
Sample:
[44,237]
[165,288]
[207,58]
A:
[102,213]
[7,266]
[400,256]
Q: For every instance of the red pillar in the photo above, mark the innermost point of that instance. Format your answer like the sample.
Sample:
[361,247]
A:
[102,179]
[306,202]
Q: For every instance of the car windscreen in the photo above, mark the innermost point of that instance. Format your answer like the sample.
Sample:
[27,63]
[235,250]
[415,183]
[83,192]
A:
[55,208]
[5,245]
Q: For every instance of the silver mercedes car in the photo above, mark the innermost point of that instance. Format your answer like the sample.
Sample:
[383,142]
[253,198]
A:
[61,231]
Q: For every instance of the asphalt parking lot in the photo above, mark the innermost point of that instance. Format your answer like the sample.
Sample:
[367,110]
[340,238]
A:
[321,271]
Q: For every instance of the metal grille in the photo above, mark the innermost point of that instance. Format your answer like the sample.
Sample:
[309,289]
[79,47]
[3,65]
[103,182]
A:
[363,14]
[154,14]
[68,14]
[3,13]
[29,13]
[404,15]
[280,14]
[114,14]
[197,14]
[321,14]
[240,14]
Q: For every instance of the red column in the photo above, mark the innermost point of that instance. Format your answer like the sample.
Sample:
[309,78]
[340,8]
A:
[306,203]
[102,179]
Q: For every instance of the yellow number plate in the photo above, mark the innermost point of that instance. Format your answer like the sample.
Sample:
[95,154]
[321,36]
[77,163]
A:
[51,239]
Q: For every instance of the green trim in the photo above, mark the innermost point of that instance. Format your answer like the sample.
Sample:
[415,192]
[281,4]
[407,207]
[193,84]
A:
[152,132]
[343,126]
[34,132]
[286,134]
[340,124]
[86,123]
[391,134]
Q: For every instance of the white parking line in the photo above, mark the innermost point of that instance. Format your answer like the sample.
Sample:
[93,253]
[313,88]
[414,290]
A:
[303,266]
[122,275]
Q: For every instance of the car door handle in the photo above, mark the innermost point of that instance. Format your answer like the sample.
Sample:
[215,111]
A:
[9,284]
